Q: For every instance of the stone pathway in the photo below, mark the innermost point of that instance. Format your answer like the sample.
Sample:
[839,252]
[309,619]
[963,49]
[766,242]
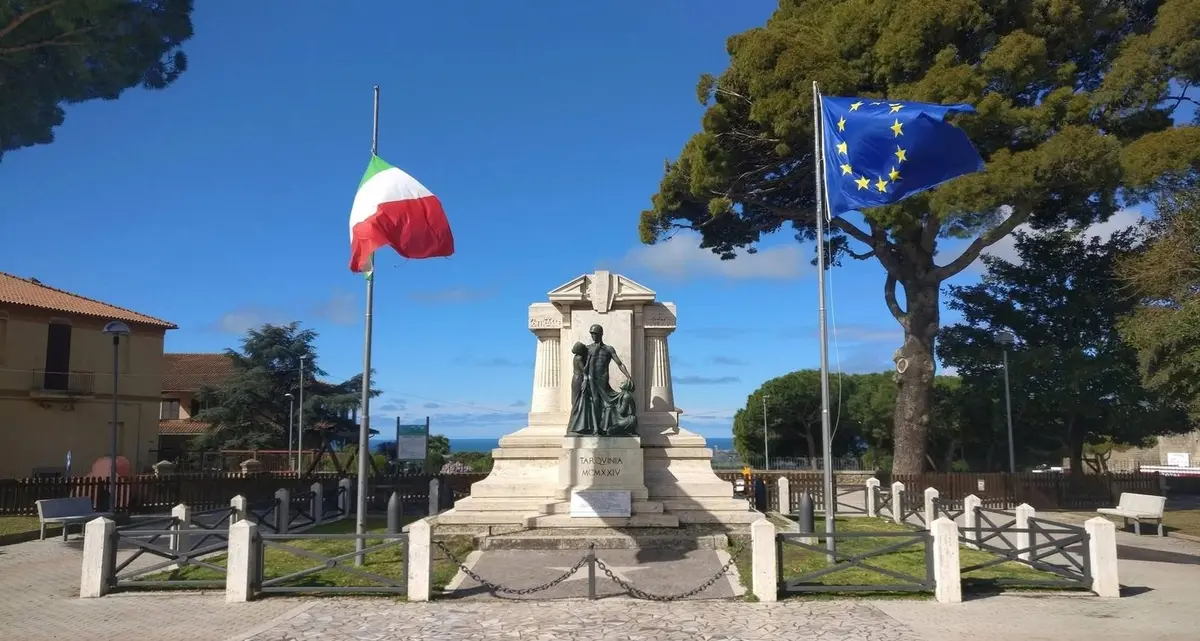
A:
[39,581]
[658,572]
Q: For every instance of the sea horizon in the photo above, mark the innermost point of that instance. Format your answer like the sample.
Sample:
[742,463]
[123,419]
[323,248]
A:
[489,444]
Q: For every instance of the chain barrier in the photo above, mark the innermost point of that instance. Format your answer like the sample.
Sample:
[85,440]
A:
[633,591]
[504,590]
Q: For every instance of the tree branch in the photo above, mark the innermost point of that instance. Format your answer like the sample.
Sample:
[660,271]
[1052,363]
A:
[889,296]
[853,231]
[984,240]
[26,16]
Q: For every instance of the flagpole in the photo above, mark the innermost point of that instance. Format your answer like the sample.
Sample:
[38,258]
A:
[819,209]
[364,426]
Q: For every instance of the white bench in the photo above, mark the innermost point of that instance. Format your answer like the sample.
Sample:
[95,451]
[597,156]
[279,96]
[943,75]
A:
[66,511]
[1138,507]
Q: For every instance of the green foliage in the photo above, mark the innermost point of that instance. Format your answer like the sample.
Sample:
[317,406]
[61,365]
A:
[1164,327]
[1074,102]
[57,52]
[1074,380]
[480,462]
[250,409]
[439,449]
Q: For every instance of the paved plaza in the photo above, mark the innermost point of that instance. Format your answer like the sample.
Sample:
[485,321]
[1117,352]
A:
[39,582]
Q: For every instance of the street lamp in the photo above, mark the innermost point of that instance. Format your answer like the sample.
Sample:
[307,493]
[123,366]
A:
[116,329]
[766,440]
[300,421]
[291,414]
[1006,339]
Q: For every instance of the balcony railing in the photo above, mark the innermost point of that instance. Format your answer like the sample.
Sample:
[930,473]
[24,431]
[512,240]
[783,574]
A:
[68,383]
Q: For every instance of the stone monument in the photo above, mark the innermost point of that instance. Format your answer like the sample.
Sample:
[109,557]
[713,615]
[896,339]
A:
[593,455]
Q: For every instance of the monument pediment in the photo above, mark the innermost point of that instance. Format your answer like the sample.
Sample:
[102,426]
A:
[603,290]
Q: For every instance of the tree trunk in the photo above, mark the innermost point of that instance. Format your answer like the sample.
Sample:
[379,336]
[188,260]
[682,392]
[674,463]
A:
[914,377]
[812,448]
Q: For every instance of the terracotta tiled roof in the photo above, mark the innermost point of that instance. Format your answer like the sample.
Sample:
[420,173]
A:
[181,426]
[31,293]
[190,372]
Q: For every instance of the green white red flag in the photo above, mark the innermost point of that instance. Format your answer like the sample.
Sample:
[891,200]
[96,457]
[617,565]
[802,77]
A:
[392,208]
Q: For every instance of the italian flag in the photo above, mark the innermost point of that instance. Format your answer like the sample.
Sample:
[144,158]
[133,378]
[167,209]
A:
[392,208]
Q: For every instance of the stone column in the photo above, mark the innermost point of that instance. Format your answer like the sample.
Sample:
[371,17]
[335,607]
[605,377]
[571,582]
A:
[547,380]
[658,371]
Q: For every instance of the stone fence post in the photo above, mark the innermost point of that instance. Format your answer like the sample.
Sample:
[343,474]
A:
[1024,512]
[420,560]
[435,492]
[971,520]
[872,497]
[318,502]
[283,510]
[764,567]
[344,487]
[240,507]
[242,563]
[785,495]
[946,574]
[181,541]
[931,497]
[898,502]
[98,552]
[1102,553]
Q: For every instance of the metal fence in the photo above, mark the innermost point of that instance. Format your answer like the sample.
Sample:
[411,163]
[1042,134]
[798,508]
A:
[1056,548]
[182,549]
[853,556]
[308,580]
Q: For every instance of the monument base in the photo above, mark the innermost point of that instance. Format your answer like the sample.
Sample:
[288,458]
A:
[668,474]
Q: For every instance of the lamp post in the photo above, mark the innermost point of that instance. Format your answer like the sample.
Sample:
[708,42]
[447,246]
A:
[116,329]
[1006,339]
[766,440]
[300,421]
[291,414]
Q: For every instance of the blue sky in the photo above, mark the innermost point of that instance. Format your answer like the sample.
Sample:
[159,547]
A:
[542,126]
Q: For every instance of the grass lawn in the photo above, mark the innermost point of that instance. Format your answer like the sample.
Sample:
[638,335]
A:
[908,560]
[1185,521]
[279,562]
[21,524]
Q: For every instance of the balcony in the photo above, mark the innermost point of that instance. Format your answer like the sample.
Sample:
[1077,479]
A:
[62,384]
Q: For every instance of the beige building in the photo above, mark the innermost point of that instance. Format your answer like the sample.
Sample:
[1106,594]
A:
[183,376]
[56,381]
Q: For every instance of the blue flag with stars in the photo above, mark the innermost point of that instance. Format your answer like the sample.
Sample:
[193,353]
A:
[881,152]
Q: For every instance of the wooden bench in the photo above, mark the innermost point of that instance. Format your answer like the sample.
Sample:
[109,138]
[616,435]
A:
[66,511]
[1138,508]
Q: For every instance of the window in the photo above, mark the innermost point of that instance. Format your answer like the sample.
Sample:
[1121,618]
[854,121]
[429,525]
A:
[58,355]
[3,335]
[169,409]
[195,408]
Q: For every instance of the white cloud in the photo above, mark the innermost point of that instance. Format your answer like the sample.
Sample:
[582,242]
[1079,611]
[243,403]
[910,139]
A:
[948,371]
[1006,248]
[243,319]
[681,257]
[340,309]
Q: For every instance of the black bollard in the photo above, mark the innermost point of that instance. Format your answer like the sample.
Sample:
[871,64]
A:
[395,510]
[804,513]
[760,495]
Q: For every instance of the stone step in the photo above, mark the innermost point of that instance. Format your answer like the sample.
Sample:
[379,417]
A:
[637,520]
[581,539]
[638,507]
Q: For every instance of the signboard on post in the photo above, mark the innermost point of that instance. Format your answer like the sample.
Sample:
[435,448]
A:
[1178,459]
[412,441]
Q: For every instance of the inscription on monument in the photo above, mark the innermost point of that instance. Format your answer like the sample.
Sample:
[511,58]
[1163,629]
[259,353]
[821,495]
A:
[659,317]
[600,465]
[548,321]
[601,503]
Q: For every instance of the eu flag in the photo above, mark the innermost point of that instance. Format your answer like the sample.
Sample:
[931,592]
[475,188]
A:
[880,152]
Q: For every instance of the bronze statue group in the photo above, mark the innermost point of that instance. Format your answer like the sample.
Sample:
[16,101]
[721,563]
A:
[596,409]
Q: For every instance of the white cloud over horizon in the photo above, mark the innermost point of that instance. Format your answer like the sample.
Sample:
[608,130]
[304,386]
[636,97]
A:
[1006,248]
[680,257]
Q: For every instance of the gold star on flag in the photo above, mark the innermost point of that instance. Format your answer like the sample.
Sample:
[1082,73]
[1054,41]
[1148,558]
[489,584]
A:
[841,147]
[862,182]
[881,185]
[895,107]
[897,128]
[894,175]
[855,105]
[900,157]
[842,124]
[876,104]
[846,168]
